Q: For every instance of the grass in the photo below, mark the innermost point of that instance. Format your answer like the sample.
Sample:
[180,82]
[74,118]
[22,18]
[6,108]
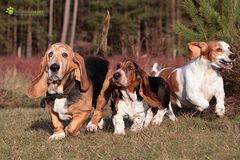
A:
[24,135]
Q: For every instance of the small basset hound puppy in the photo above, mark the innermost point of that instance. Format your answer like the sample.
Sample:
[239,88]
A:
[71,84]
[134,92]
[197,82]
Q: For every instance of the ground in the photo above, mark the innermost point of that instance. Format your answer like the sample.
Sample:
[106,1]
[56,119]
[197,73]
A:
[24,135]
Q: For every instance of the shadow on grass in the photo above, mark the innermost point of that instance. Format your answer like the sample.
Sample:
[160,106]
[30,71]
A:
[42,124]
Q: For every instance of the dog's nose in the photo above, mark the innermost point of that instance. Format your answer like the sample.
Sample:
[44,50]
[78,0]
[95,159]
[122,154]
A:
[54,67]
[232,56]
[116,75]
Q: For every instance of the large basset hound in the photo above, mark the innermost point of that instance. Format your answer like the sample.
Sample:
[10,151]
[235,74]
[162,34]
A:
[197,82]
[71,84]
[134,91]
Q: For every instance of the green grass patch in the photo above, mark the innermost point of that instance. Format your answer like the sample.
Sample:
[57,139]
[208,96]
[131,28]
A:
[24,135]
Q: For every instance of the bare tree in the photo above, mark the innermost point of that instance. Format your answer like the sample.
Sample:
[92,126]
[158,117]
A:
[50,25]
[29,37]
[65,21]
[74,21]
[173,14]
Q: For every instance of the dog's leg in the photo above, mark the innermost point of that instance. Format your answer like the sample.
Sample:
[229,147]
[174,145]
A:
[149,117]
[73,128]
[119,127]
[58,127]
[170,113]
[138,122]
[196,98]
[158,118]
[220,95]
[101,102]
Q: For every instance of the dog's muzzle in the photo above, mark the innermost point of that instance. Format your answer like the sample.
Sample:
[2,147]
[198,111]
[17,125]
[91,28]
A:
[53,76]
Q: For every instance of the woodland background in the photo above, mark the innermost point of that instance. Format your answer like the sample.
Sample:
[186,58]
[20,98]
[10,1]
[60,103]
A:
[156,27]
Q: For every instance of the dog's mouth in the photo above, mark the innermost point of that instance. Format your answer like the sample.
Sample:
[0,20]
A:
[225,64]
[118,83]
[54,79]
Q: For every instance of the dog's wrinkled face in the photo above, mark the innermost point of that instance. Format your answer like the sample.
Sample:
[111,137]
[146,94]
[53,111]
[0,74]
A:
[221,55]
[58,57]
[126,73]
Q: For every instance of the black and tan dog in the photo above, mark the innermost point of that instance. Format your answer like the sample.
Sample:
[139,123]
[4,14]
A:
[71,84]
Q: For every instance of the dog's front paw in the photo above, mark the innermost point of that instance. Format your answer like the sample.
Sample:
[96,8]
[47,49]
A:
[136,128]
[158,118]
[57,136]
[119,132]
[101,124]
[91,127]
[220,112]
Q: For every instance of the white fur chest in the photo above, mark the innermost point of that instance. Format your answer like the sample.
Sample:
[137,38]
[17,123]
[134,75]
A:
[200,77]
[130,107]
[60,105]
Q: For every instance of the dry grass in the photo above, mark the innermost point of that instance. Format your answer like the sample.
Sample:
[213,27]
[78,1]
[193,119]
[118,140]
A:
[24,135]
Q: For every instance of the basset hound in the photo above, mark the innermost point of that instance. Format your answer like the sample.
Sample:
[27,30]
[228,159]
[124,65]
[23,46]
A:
[198,81]
[71,84]
[134,91]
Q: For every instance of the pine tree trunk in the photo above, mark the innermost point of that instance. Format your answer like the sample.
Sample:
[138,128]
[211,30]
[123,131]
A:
[74,21]
[8,36]
[29,38]
[65,21]
[15,37]
[174,52]
[146,37]
[178,16]
[50,24]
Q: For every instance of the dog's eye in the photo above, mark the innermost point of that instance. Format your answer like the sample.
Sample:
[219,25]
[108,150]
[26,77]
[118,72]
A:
[130,68]
[219,50]
[64,55]
[50,54]
[118,66]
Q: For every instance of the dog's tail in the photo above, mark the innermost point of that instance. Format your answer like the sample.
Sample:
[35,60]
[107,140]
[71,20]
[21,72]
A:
[154,70]
[103,43]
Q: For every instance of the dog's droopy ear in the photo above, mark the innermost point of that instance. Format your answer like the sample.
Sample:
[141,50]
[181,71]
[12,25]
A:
[196,49]
[38,86]
[80,72]
[145,91]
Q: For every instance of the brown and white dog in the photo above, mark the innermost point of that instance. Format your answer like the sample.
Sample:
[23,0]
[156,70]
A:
[71,83]
[197,82]
[134,92]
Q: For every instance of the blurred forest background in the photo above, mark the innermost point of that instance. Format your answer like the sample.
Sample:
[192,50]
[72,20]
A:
[157,27]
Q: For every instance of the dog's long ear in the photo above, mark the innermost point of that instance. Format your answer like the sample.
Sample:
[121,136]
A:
[80,72]
[196,49]
[38,86]
[146,92]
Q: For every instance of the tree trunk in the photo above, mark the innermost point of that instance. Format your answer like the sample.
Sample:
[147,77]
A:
[178,16]
[146,37]
[174,52]
[15,37]
[50,24]
[19,51]
[8,36]
[29,38]
[74,21]
[65,21]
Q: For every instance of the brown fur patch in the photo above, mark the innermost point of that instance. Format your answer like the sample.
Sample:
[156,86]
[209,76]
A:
[173,82]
